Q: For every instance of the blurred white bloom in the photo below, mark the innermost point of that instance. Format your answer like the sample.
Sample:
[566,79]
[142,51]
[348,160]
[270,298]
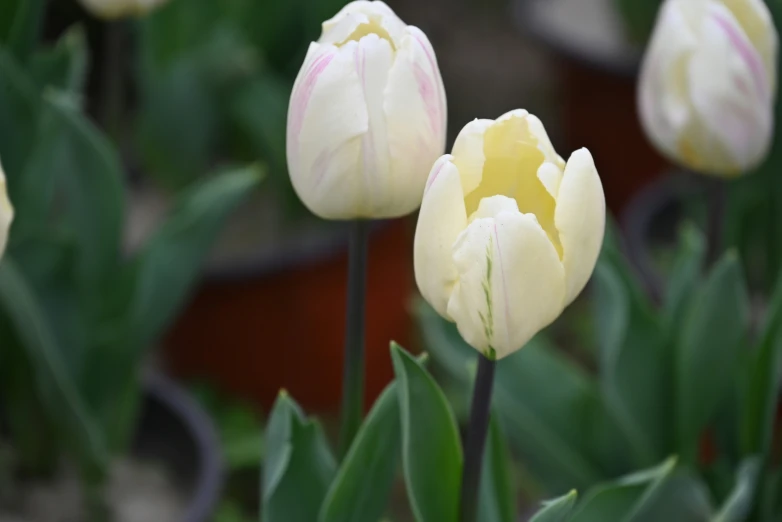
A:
[6,213]
[367,115]
[111,9]
[508,233]
[708,84]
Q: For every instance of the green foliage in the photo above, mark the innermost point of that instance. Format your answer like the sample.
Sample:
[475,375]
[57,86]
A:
[677,380]
[77,313]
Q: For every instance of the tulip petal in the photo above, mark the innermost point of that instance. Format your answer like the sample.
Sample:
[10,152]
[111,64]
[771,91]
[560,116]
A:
[511,283]
[415,112]
[468,153]
[440,221]
[580,220]
[376,16]
[730,92]
[756,20]
[6,212]
[324,140]
[544,142]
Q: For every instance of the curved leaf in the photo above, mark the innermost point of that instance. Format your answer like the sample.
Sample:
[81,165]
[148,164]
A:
[431,450]
[363,484]
[497,498]
[299,465]
[557,510]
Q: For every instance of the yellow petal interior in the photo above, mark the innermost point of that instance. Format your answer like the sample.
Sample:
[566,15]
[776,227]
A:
[374,26]
[510,169]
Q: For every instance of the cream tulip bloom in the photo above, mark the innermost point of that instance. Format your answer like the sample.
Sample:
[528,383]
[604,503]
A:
[6,213]
[708,84]
[366,118]
[112,9]
[508,233]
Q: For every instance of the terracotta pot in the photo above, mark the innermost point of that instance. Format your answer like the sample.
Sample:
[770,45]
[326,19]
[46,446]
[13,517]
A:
[598,68]
[254,331]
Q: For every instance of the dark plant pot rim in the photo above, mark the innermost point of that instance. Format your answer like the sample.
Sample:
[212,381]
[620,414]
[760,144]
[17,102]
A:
[210,474]
[639,216]
[523,13]
[330,244]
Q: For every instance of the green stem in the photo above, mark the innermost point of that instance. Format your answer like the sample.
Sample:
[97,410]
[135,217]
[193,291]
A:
[353,377]
[113,81]
[717,201]
[476,439]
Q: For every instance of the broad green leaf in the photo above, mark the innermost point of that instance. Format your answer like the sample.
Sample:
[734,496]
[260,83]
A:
[56,387]
[431,450]
[497,498]
[363,484]
[73,156]
[19,103]
[738,505]
[684,278]
[683,497]
[64,66]
[634,376]
[763,382]
[299,466]
[545,423]
[169,264]
[709,351]
[557,510]
[25,27]
[625,500]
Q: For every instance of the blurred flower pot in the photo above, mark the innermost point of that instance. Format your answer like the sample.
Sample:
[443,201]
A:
[598,67]
[651,222]
[173,474]
[270,312]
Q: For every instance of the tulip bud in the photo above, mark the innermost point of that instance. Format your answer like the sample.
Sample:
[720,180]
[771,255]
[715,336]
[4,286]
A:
[508,233]
[366,118]
[112,9]
[708,84]
[6,213]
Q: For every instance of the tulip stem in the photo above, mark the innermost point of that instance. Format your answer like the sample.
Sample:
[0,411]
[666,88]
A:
[476,439]
[113,85]
[717,203]
[353,376]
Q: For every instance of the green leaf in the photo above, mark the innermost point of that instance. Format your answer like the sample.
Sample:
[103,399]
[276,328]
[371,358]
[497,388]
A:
[546,423]
[634,375]
[25,27]
[763,382]
[169,264]
[363,484]
[64,66]
[684,278]
[55,385]
[557,510]
[74,156]
[19,103]
[709,352]
[628,499]
[497,498]
[739,504]
[431,450]
[683,497]
[299,466]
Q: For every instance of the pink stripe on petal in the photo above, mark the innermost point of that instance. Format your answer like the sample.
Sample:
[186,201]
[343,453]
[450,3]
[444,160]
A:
[434,72]
[746,51]
[304,91]
[433,176]
[428,92]
[504,284]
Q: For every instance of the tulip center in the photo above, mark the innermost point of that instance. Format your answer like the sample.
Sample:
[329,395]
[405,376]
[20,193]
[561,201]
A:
[510,169]
[373,26]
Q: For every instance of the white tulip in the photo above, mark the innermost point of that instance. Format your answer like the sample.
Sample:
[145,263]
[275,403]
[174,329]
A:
[112,9]
[367,116]
[6,213]
[508,233]
[708,84]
